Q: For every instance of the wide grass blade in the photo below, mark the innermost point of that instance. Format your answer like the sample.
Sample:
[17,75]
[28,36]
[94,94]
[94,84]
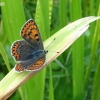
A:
[77,53]
[43,6]
[12,25]
[62,13]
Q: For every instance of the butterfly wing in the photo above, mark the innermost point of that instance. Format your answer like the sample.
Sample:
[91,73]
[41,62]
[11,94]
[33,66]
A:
[37,65]
[31,34]
[28,51]
[22,50]
[31,65]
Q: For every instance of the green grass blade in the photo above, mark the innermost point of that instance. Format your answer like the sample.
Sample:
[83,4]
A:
[43,6]
[77,54]
[93,50]
[62,13]
[33,88]
[51,92]
[70,34]
[92,10]
[12,25]
[43,25]
[4,55]
[96,84]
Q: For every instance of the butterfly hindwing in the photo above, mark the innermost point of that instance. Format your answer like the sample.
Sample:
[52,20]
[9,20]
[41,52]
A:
[37,65]
[30,65]
[18,68]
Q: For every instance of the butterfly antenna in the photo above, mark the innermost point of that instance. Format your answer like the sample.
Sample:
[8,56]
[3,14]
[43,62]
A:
[53,51]
[50,44]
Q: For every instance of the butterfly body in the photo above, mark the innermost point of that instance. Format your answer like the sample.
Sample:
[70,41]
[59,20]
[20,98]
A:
[29,53]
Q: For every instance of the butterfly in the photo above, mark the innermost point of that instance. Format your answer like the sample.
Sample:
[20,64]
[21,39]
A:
[29,52]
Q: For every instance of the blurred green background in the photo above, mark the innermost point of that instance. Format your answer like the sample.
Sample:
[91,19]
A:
[74,75]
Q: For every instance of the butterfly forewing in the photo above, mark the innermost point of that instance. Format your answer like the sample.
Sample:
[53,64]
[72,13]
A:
[31,34]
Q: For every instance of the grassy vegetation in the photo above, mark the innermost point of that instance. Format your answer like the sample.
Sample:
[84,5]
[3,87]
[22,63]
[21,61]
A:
[74,75]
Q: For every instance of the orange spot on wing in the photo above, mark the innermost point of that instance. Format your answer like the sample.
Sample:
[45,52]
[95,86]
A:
[14,50]
[34,26]
[19,68]
[38,64]
[34,31]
